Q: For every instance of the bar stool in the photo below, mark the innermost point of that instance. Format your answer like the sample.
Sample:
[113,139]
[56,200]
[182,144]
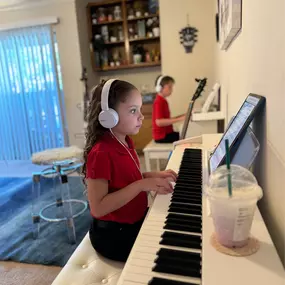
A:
[58,172]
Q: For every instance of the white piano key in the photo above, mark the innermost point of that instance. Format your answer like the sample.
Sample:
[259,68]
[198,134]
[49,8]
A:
[139,266]
[153,231]
[153,248]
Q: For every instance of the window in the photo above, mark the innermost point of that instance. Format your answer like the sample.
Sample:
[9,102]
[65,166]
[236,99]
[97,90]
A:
[31,94]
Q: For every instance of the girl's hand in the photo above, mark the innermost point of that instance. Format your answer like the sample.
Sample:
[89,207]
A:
[169,173]
[159,185]
[162,174]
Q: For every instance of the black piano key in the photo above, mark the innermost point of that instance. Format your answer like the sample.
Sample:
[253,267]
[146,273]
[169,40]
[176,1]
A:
[186,237]
[163,281]
[187,178]
[182,240]
[178,270]
[179,254]
[183,228]
[190,190]
[192,182]
[189,172]
[186,200]
[168,260]
[188,185]
[187,193]
[184,210]
[190,208]
[190,219]
[190,157]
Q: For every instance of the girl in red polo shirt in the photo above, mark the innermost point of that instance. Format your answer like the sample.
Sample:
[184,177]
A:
[162,129]
[117,190]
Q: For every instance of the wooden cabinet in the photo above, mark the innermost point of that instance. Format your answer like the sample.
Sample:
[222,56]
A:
[145,134]
[123,34]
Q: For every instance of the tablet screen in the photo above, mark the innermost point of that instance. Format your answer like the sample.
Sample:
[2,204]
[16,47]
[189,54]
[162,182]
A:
[236,129]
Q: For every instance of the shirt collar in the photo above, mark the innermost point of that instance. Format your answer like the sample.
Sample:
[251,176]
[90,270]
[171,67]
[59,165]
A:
[116,145]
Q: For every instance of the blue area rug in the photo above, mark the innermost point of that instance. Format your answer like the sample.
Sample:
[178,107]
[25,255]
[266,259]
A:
[16,229]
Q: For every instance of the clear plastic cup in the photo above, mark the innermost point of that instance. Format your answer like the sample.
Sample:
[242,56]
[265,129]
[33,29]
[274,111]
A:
[232,216]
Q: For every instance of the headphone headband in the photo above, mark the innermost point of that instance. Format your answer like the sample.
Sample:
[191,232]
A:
[105,94]
[159,81]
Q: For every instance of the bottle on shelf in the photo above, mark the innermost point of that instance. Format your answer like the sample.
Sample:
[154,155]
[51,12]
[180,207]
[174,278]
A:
[117,13]
[120,33]
[105,33]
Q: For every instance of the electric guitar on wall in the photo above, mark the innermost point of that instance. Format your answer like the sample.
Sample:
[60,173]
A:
[84,78]
[197,94]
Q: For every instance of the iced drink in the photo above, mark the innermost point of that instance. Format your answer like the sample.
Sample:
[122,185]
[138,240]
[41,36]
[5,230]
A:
[232,216]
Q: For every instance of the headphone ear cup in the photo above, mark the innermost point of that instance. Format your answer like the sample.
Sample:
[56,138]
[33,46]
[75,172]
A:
[109,118]
[157,88]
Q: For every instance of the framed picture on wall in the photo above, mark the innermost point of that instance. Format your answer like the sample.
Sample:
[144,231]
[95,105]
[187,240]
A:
[230,21]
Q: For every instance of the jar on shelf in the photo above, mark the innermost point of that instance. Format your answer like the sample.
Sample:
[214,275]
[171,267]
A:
[110,17]
[94,19]
[117,13]
[131,13]
[102,15]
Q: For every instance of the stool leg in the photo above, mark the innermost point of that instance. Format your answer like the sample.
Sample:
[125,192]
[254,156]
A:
[68,210]
[147,162]
[36,192]
[157,164]
[58,194]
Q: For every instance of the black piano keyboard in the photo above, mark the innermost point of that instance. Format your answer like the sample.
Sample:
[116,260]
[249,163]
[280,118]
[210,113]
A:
[186,199]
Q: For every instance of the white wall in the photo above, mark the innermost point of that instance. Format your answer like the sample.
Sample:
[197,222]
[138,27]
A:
[69,50]
[175,62]
[255,63]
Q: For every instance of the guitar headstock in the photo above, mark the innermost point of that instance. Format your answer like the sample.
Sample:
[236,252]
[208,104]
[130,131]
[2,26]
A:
[84,74]
[200,88]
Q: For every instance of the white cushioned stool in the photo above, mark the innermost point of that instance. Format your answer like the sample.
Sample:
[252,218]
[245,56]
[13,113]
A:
[156,151]
[86,267]
[63,162]
[48,156]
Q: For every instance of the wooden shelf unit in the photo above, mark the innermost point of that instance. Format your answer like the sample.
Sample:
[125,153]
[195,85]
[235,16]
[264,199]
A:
[151,44]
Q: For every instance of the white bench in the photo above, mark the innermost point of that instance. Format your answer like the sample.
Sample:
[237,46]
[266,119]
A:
[156,151]
[86,267]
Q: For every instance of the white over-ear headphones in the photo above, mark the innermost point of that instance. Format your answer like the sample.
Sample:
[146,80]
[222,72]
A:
[108,117]
[158,86]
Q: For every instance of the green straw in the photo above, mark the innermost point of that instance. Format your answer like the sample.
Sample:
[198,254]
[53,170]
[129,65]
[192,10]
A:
[228,161]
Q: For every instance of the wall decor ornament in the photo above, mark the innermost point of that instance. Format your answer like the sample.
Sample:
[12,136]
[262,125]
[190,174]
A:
[230,21]
[188,37]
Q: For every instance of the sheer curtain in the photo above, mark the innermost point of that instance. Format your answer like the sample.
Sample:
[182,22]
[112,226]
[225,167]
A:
[31,99]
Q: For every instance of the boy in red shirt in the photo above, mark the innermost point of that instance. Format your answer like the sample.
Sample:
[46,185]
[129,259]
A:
[162,129]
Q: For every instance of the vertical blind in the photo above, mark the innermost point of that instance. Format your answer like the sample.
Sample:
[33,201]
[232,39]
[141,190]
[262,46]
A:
[31,99]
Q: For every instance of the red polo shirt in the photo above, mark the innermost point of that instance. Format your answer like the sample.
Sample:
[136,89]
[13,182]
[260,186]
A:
[160,111]
[109,160]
